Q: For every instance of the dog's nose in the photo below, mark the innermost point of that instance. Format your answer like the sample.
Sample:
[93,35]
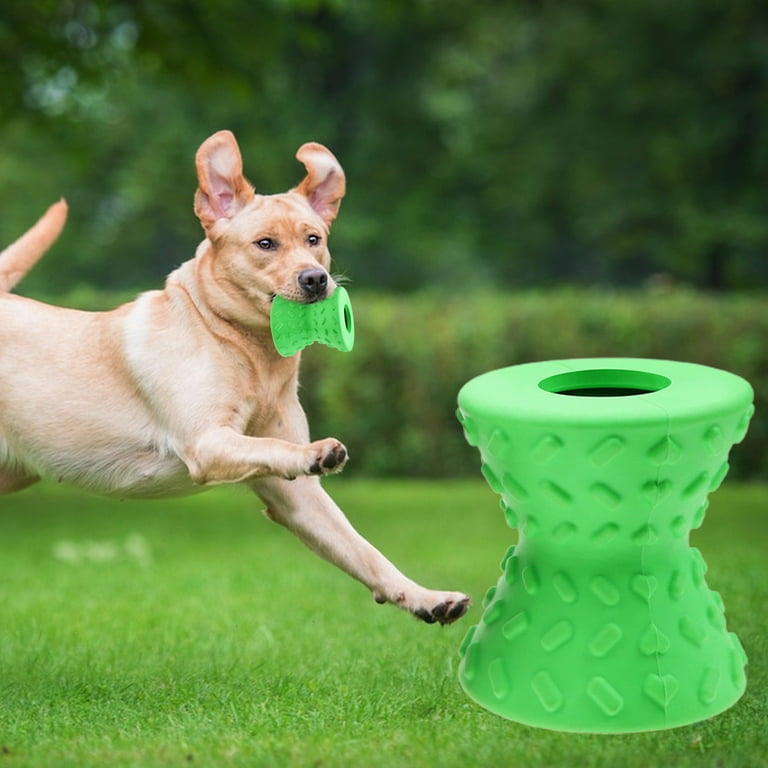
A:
[314,283]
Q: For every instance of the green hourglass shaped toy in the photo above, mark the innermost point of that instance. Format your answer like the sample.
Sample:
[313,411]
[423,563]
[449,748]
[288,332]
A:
[296,325]
[602,620]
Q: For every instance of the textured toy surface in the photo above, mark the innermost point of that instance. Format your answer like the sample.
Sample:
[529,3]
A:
[296,325]
[602,620]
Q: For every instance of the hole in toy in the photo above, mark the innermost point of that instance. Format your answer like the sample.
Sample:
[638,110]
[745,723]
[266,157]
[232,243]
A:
[604,383]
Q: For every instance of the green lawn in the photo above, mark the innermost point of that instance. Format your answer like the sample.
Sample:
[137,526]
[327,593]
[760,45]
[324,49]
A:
[195,632]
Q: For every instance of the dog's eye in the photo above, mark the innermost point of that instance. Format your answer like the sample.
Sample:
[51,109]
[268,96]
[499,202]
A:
[266,244]
[314,240]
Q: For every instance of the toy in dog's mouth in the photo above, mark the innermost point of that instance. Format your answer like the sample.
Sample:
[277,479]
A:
[329,321]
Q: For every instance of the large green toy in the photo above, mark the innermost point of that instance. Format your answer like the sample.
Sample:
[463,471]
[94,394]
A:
[296,325]
[602,620]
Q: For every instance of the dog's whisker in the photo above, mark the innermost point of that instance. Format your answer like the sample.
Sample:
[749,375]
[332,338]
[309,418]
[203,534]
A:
[341,279]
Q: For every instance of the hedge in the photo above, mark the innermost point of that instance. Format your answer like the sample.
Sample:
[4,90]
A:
[392,400]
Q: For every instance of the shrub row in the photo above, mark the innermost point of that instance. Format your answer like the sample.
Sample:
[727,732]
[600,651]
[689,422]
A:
[392,400]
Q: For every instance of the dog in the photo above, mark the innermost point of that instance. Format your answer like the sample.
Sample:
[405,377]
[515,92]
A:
[183,389]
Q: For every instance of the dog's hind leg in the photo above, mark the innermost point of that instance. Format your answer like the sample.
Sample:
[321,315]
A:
[303,506]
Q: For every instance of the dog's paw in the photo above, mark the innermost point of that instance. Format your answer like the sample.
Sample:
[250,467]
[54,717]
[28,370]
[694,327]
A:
[449,607]
[330,456]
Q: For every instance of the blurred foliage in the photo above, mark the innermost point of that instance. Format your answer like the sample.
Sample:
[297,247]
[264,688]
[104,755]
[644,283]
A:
[485,143]
[392,400]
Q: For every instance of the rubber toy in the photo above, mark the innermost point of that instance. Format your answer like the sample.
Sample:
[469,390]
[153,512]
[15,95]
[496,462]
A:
[296,325]
[602,620]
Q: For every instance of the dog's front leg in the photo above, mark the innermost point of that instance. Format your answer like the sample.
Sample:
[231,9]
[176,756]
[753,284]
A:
[224,456]
[308,511]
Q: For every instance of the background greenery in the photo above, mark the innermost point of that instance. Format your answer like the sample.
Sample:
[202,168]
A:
[486,143]
[195,632]
[505,161]
[496,153]
[392,400]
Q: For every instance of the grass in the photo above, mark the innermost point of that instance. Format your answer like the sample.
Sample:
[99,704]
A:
[194,632]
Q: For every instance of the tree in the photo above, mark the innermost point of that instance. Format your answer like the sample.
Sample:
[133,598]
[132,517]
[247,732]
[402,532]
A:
[612,137]
[516,144]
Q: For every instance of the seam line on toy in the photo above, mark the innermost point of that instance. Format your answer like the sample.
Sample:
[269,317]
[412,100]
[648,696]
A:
[643,564]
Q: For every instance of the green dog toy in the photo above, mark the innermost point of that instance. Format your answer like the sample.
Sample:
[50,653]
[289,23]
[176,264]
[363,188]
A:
[296,325]
[602,620]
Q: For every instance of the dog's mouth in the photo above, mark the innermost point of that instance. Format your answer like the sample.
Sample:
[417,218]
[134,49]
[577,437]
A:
[299,299]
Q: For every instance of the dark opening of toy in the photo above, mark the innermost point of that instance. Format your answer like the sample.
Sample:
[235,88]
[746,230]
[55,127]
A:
[604,383]
[347,318]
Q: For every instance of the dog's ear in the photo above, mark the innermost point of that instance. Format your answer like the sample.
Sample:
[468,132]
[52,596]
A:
[222,190]
[324,185]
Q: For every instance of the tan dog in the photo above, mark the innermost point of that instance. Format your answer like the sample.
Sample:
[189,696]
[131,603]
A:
[183,388]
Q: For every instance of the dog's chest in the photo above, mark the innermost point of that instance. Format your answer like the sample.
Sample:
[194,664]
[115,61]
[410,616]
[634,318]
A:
[265,414]
[268,405]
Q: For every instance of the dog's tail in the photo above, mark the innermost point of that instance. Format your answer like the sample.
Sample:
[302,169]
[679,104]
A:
[19,257]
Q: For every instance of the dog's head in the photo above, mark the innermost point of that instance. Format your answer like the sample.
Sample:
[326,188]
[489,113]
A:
[262,246]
